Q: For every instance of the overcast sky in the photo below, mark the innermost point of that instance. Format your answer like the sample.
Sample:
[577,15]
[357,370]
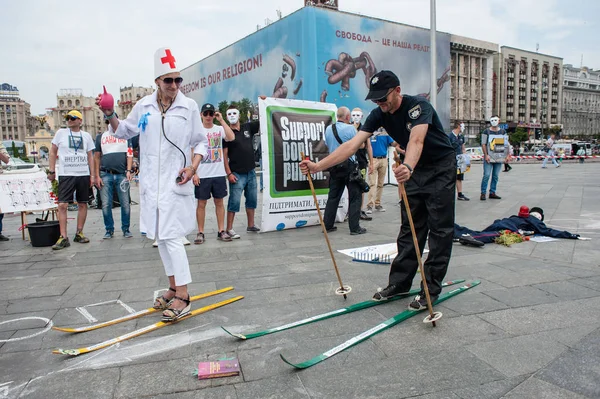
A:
[50,45]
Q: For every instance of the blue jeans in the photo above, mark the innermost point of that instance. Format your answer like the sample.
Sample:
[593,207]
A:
[490,169]
[113,182]
[1,217]
[550,154]
[246,183]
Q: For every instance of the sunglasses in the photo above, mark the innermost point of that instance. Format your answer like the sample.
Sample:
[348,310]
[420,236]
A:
[383,99]
[71,118]
[208,113]
[170,81]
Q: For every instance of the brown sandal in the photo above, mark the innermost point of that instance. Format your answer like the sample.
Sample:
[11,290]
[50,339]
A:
[162,303]
[176,314]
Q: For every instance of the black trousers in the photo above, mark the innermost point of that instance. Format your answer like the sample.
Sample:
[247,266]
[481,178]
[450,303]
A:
[337,182]
[430,192]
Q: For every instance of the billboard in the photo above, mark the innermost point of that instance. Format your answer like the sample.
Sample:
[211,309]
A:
[319,54]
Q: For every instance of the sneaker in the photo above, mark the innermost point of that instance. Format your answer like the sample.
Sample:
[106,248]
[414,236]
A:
[108,235]
[199,239]
[185,241]
[388,292]
[364,216]
[223,236]
[369,210]
[233,234]
[467,239]
[558,166]
[462,197]
[482,197]
[80,238]
[127,234]
[494,196]
[420,302]
[331,229]
[4,238]
[62,243]
[379,208]
[253,229]
[155,244]
[361,230]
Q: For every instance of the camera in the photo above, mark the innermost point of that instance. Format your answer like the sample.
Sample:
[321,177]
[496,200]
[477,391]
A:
[356,177]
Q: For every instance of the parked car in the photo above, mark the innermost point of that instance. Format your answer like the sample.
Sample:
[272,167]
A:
[16,165]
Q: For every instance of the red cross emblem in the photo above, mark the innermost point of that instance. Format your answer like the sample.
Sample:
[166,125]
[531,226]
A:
[169,59]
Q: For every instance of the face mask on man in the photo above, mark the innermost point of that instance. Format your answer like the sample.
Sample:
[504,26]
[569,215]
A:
[462,127]
[233,116]
[356,117]
[494,121]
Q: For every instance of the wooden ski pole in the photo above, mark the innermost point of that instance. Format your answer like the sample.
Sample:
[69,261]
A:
[433,316]
[343,290]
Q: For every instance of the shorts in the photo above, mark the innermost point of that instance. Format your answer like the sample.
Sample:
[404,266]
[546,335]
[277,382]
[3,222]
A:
[217,186]
[80,185]
[246,183]
[460,176]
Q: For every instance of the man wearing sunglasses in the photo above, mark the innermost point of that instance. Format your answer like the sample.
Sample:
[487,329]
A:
[429,175]
[210,178]
[74,148]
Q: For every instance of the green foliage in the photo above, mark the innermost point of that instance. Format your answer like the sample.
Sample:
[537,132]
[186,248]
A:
[15,150]
[520,135]
[554,130]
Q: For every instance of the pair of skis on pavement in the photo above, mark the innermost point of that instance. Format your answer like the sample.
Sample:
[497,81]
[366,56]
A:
[141,331]
[353,308]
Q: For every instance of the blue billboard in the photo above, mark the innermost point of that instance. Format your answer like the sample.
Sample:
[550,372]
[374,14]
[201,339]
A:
[318,54]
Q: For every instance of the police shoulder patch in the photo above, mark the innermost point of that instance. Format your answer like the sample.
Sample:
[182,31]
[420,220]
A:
[414,112]
[409,126]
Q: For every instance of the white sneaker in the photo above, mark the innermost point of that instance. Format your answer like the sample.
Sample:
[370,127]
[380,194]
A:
[155,244]
[379,208]
[369,210]
[233,234]
[185,241]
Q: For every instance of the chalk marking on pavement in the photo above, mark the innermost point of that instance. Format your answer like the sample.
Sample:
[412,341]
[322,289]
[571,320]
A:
[48,322]
[127,307]
[86,314]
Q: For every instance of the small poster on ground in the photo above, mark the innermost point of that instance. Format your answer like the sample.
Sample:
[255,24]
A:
[220,368]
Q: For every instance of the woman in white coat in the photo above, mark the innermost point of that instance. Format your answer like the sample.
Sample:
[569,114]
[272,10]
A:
[169,125]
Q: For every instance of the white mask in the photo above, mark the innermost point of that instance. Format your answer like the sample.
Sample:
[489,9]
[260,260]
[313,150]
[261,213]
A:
[233,116]
[356,117]
[462,127]
[494,121]
[536,215]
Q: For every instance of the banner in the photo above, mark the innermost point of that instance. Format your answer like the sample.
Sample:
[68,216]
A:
[21,192]
[289,127]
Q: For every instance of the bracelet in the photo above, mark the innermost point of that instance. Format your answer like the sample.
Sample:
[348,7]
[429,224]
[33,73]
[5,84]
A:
[51,173]
[192,168]
[409,168]
[107,117]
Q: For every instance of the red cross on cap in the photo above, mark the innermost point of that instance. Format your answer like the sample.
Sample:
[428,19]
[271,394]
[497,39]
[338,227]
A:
[168,59]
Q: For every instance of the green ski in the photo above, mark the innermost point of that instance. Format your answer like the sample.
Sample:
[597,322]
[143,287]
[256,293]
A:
[333,313]
[400,317]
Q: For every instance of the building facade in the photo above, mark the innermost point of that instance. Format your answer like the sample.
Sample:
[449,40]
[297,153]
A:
[70,99]
[581,102]
[130,95]
[472,83]
[530,88]
[16,121]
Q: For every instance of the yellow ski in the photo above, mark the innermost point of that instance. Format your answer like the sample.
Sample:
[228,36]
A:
[141,331]
[135,315]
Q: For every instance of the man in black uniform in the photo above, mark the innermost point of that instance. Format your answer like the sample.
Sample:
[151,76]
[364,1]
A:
[429,174]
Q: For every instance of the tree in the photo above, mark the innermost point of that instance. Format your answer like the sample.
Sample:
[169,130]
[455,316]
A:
[556,130]
[15,150]
[244,106]
[520,135]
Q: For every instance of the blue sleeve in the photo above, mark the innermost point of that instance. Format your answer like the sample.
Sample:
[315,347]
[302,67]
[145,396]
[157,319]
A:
[389,141]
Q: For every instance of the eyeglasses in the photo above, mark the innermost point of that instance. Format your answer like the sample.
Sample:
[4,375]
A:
[170,81]
[71,118]
[208,113]
[383,99]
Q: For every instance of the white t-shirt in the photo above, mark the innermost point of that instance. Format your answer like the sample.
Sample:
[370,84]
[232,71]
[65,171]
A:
[212,165]
[73,150]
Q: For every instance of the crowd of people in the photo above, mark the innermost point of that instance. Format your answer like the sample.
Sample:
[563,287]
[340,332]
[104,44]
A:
[185,159]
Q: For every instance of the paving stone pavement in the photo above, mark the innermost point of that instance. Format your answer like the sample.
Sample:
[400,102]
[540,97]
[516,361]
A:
[530,330]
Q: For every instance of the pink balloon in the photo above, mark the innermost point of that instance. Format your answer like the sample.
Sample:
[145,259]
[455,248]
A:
[106,100]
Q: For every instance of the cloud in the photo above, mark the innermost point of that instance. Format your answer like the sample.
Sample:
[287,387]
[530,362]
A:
[48,46]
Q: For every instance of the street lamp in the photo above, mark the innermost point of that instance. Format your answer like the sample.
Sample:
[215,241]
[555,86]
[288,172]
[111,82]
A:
[34,152]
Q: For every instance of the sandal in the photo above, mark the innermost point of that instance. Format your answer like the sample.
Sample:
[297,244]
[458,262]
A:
[199,239]
[176,314]
[162,303]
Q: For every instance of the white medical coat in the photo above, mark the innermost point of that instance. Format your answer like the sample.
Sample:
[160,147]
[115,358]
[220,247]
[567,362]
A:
[167,208]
